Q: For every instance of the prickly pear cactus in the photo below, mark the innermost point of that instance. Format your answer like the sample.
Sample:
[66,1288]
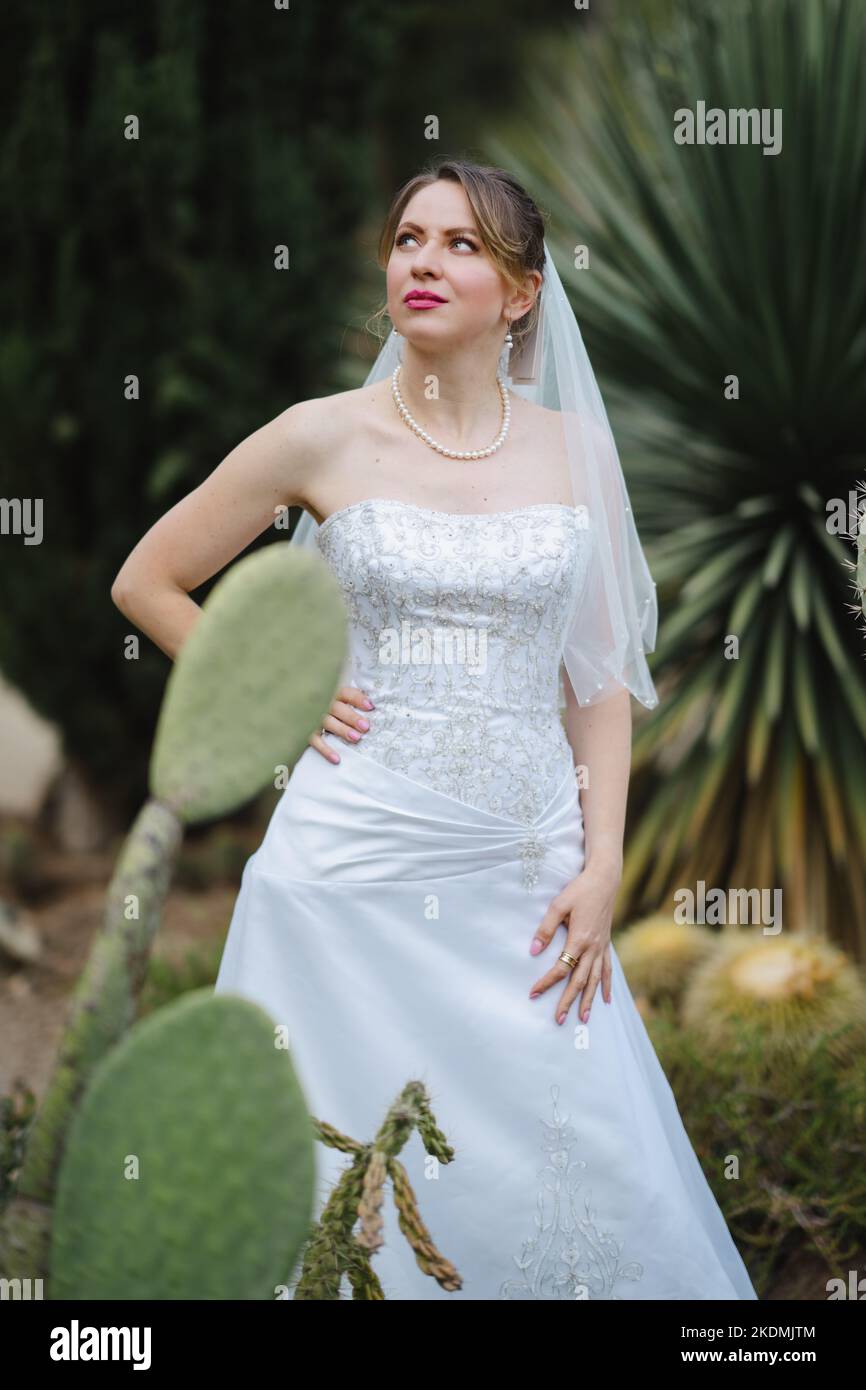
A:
[254,679]
[189,1167]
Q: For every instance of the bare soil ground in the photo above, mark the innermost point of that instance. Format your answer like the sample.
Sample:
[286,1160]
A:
[35,998]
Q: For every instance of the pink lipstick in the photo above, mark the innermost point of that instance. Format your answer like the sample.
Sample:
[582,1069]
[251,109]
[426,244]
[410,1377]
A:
[422,299]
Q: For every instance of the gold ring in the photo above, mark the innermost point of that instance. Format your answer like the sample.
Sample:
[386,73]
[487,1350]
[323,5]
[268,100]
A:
[569,960]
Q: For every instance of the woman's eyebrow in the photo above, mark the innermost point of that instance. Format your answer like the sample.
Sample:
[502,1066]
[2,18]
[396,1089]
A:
[449,231]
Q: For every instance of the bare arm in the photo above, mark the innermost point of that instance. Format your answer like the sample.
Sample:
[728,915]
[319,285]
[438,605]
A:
[211,525]
[600,738]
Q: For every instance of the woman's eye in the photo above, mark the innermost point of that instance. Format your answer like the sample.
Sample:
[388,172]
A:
[403,235]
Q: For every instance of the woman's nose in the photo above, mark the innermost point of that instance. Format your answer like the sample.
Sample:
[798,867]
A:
[427,262]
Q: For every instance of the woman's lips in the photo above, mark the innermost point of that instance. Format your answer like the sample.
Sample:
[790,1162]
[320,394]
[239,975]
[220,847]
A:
[419,302]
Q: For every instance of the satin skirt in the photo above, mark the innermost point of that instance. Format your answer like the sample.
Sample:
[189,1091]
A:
[387,926]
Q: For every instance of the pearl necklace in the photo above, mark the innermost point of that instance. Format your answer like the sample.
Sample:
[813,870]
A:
[440,448]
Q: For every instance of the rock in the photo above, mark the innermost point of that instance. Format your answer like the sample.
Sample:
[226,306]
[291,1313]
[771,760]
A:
[18,936]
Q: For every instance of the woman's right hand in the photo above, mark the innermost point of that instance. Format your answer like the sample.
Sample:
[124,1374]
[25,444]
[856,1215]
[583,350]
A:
[342,719]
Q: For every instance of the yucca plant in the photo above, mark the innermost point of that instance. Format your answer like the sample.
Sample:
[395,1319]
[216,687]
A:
[709,262]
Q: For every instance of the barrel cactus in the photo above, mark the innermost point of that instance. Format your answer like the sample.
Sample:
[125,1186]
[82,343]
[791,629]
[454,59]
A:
[779,997]
[659,957]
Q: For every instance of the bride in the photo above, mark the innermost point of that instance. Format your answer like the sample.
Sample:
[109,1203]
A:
[433,896]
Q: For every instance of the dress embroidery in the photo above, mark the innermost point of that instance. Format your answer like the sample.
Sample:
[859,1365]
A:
[569,1257]
[532,851]
[456,628]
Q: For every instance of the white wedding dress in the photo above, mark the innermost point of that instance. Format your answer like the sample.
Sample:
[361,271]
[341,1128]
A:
[387,916]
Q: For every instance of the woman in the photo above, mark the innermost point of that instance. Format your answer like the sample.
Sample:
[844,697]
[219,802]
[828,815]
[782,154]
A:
[435,902]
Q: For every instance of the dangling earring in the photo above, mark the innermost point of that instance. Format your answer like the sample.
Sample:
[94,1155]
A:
[505,354]
[399,336]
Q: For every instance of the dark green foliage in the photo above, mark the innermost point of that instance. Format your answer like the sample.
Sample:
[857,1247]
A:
[799,1134]
[155,258]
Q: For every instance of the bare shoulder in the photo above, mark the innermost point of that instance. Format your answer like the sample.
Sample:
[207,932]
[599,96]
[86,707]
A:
[319,419]
[321,426]
[540,424]
[587,423]
[326,421]
[540,417]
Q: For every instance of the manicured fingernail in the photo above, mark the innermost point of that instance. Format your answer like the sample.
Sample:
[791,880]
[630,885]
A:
[363,723]
[585,1015]
[536,946]
[368,704]
[335,757]
[535,993]
[561,1018]
[353,733]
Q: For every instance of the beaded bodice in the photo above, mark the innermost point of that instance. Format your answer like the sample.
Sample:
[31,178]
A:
[456,628]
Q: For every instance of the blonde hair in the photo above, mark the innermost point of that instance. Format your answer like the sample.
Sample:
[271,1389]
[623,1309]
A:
[510,226]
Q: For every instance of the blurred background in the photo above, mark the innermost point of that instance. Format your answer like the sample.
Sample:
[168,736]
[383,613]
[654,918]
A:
[721,298]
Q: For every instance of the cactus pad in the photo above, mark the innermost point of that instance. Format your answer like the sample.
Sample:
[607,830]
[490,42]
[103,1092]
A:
[251,682]
[189,1167]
